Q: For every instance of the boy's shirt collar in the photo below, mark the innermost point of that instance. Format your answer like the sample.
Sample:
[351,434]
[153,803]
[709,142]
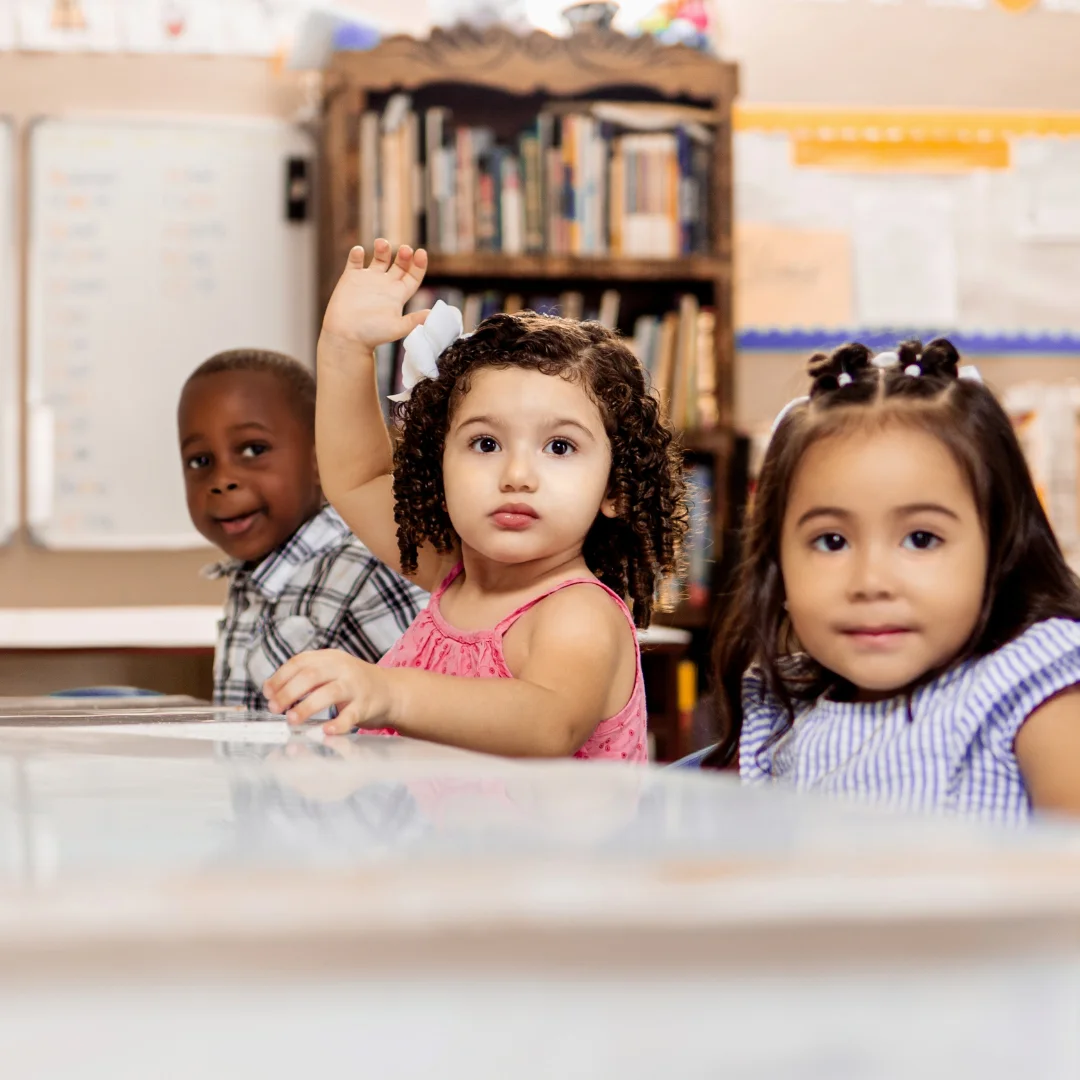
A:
[273,573]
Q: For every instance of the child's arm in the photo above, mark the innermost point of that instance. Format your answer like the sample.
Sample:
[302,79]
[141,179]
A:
[550,709]
[1048,753]
[351,440]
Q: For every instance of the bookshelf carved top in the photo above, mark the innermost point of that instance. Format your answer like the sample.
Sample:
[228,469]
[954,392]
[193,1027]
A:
[536,62]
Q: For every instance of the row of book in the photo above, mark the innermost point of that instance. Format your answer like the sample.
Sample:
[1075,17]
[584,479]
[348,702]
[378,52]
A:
[700,539]
[677,348]
[585,178]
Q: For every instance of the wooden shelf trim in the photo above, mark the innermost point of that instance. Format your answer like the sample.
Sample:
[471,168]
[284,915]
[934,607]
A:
[581,267]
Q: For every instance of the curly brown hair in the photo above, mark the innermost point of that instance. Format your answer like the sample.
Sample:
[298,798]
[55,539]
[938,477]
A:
[629,552]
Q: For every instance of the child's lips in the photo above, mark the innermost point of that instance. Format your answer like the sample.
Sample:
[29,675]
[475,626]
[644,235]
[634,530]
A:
[242,523]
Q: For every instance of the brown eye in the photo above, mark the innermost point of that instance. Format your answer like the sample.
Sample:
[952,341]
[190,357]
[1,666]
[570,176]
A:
[921,541]
[830,542]
[561,447]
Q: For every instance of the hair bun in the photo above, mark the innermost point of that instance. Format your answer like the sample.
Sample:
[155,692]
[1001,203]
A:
[825,371]
[941,358]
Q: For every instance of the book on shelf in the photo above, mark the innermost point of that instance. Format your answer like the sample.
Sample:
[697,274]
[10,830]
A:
[699,540]
[584,178]
[678,351]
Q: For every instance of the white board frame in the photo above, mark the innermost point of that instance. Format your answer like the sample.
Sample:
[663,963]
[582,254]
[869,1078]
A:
[40,420]
[10,411]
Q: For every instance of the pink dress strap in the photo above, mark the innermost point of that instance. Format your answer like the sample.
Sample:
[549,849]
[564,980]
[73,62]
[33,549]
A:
[502,627]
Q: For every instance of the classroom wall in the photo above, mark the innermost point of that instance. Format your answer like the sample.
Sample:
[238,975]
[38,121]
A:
[908,53]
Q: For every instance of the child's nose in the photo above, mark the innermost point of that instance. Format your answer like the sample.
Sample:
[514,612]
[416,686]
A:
[872,576]
[518,473]
[221,486]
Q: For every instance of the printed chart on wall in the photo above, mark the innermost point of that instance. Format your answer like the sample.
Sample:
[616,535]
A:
[152,246]
[871,225]
[9,379]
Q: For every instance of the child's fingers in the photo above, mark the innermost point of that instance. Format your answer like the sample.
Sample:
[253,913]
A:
[412,319]
[410,267]
[300,682]
[316,702]
[346,721]
[356,259]
[380,260]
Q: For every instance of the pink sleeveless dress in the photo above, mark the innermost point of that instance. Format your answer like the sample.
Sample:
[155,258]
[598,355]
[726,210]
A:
[432,644]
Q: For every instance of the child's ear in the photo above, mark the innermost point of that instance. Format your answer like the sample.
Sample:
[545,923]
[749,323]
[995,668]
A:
[609,508]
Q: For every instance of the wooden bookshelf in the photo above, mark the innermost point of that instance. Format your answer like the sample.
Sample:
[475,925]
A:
[502,78]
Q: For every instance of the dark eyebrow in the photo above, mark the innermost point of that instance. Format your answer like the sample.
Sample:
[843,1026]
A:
[927,508]
[903,511]
[487,421]
[823,511]
[235,429]
[574,424]
[251,424]
[493,421]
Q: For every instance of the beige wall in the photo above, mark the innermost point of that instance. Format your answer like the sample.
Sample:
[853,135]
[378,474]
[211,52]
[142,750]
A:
[906,54]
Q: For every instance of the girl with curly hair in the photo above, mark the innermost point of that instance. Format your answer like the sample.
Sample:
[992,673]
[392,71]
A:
[534,486]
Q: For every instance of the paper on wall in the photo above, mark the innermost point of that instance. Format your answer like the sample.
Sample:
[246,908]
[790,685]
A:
[68,25]
[905,259]
[1047,176]
[789,278]
[173,26]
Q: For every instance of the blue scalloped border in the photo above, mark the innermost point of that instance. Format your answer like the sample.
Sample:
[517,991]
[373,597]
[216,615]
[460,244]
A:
[966,342]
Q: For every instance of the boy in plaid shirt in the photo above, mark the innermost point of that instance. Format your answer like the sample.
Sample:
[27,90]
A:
[298,578]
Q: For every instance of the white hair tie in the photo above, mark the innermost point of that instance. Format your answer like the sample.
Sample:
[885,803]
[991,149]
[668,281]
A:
[425,344]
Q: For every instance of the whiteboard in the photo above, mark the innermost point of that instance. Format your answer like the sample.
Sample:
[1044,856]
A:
[9,379]
[153,245]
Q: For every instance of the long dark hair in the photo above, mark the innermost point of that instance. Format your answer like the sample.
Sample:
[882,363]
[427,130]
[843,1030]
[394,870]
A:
[629,553]
[1027,577]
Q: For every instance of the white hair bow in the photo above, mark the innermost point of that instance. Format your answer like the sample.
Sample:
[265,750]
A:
[425,344]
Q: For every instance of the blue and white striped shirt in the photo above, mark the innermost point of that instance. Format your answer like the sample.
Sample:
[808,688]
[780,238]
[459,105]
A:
[954,752]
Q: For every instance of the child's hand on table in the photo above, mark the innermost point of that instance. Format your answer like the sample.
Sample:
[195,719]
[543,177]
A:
[311,682]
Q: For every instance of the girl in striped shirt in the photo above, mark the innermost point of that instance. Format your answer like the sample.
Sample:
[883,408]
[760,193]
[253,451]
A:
[906,627]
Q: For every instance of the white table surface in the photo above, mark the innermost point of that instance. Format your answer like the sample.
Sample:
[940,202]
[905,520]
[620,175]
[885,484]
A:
[215,896]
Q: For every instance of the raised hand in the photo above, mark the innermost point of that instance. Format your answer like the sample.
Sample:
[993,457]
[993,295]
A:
[366,307]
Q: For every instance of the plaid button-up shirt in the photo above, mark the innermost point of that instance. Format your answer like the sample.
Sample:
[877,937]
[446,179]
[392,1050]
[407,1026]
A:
[322,589]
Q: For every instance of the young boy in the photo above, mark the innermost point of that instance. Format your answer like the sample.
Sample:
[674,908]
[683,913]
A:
[298,577]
